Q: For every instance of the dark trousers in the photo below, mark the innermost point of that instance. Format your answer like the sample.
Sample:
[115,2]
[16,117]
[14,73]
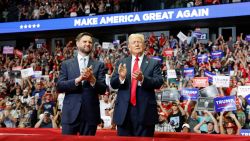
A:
[79,126]
[131,126]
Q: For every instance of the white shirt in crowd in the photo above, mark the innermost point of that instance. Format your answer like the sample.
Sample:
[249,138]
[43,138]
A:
[104,106]
[60,99]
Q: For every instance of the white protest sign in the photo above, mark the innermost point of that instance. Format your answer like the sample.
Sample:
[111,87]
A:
[27,72]
[171,74]
[45,77]
[243,90]
[182,36]
[221,81]
[37,74]
[107,45]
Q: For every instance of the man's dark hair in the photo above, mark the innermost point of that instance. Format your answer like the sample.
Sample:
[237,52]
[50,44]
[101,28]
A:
[80,35]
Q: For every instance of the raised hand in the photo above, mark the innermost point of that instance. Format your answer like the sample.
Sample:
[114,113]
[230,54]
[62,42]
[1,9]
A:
[232,116]
[122,71]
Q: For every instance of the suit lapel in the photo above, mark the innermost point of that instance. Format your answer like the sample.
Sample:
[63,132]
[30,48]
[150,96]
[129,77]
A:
[128,65]
[144,63]
[91,62]
[76,66]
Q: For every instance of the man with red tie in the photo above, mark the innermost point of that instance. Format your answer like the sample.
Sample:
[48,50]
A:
[136,77]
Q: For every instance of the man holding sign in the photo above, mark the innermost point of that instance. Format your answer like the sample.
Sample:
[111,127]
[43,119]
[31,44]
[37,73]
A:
[82,79]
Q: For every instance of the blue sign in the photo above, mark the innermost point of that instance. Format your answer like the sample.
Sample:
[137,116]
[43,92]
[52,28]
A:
[188,93]
[248,38]
[248,99]
[209,75]
[156,58]
[226,103]
[199,35]
[202,58]
[188,72]
[166,15]
[245,132]
[217,54]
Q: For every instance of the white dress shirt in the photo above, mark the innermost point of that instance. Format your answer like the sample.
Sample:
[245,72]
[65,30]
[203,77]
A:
[82,61]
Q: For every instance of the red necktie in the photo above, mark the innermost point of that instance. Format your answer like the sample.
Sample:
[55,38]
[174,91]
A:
[134,83]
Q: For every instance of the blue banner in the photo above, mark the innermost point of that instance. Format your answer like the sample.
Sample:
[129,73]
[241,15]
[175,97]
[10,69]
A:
[245,132]
[217,54]
[166,15]
[188,93]
[188,72]
[248,99]
[209,75]
[226,103]
[202,58]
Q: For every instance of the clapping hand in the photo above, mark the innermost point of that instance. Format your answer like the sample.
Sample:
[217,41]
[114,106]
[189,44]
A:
[122,71]
[138,75]
[88,75]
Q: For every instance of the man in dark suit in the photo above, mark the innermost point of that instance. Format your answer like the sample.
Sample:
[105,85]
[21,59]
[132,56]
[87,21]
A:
[82,79]
[136,77]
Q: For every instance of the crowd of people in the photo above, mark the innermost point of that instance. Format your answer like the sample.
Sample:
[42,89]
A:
[34,101]
[24,10]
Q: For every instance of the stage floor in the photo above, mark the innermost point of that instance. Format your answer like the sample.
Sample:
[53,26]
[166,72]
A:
[31,134]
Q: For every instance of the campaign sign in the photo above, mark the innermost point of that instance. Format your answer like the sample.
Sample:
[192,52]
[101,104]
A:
[205,103]
[200,82]
[171,74]
[243,90]
[226,103]
[245,132]
[248,99]
[170,95]
[209,75]
[199,35]
[210,91]
[37,74]
[189,72]
[156,58]
[8,50]
[202,58]
[27,72]
[221,81]
[190,93]
[182,36]
[248,38]
[168,52]
[217,54]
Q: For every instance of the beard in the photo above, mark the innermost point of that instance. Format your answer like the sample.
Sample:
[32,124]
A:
[86,50]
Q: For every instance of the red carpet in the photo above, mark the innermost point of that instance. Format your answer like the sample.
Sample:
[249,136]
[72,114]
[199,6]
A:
[32,134]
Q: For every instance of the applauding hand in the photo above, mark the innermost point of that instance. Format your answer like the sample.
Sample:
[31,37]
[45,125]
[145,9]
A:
[122,71]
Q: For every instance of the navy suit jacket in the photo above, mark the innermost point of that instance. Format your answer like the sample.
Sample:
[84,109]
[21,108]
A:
[145,95]
[84,93]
